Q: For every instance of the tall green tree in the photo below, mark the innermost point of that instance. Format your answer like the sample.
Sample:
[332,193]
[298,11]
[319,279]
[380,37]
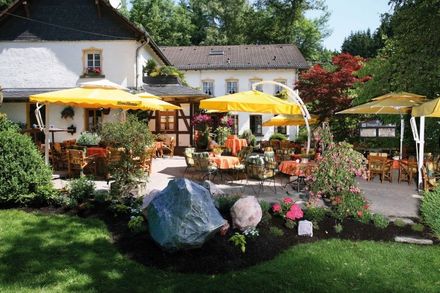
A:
[169,24]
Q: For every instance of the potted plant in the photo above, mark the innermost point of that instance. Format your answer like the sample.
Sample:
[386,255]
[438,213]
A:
[68,112]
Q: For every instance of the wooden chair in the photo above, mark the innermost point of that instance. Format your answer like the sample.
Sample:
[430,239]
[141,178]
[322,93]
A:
[407,171]
[113,157]
[58,156]
[169,145]
[378,165]
[429,183]
[147,160]
[77,160]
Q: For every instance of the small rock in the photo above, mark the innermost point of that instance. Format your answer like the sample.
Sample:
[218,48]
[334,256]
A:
[246,213]
[305,228]
[404,220]
[213,189]
[404,239]
[224,229]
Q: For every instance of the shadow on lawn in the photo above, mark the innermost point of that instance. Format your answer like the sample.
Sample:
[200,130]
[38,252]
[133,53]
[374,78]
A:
[73,254]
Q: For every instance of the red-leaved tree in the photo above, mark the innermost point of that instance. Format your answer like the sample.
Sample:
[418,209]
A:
[327,91]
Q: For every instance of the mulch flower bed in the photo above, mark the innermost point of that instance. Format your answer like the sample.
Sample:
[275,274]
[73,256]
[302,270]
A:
[219,255]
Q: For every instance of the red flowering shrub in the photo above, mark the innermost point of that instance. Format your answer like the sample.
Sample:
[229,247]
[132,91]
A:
[289,210]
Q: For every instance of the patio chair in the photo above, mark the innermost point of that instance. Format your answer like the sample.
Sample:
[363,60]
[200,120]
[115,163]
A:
[58,156]
[242,156]
[77,160]
[113,157]
[257,168]
[429,183]
[147,160]
[168,145]
[379,166]
[189,160]
[407,171]
[203,164]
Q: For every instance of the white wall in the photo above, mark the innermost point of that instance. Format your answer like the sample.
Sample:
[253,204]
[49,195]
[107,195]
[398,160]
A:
[60,64]
[195,78]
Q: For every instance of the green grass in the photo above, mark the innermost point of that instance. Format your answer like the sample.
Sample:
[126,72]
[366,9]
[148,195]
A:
[56,253]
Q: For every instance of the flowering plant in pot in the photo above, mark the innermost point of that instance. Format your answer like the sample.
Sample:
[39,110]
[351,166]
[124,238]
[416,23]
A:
[93,71]
[288,210]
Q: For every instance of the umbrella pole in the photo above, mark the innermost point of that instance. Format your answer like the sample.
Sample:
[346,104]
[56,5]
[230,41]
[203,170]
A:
[402,129]
[46,136]
[421,151]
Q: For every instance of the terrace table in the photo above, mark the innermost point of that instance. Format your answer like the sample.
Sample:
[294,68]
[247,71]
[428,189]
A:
[225,162]
[235,144]
[299,169]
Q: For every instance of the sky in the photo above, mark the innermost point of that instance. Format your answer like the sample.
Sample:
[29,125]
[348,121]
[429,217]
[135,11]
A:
[352,15]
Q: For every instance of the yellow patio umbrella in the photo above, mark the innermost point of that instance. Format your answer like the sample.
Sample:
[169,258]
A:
[251,101]
[155,101]
[428,109]
[395,103]
[97,94]
[285,120]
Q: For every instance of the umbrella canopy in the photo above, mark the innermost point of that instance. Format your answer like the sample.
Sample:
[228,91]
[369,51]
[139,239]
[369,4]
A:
[392,103]
[152,100]
[285,120]
[251,101]
[427,109]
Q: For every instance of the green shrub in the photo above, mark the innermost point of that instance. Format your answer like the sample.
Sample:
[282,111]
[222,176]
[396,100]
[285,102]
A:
[278,136]
[275,231]
[399,223]
[88,138]
[430,210]
[265,207]
[315,214]
[132,137]
[137,224]
[417,227]
[6,124]
[81,189]
[225,202]
[338,228]
[364,217]
[24,177]
[380,221]
[239,240]
[349,204]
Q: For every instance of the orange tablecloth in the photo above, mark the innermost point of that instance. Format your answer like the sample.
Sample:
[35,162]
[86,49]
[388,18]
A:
[97,152]
[297,169]
[235,144]
[225,162]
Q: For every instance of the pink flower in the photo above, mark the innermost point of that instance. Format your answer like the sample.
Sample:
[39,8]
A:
[360,214]
[276,208]
[294,213]
[287,200]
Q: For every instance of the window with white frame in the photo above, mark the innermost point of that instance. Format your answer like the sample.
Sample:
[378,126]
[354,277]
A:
[277,88]
[92,61]
[231,86]
[259,87]
[208,87]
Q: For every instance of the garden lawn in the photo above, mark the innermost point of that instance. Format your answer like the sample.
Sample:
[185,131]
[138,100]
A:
[40,252]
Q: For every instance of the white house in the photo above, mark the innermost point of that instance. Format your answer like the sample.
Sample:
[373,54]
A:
[221,70]
[49,45]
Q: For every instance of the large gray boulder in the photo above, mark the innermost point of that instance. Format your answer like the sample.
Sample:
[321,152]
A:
[183,215]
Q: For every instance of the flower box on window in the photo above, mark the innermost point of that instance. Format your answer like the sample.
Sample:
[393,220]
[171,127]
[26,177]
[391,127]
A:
[93,72]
